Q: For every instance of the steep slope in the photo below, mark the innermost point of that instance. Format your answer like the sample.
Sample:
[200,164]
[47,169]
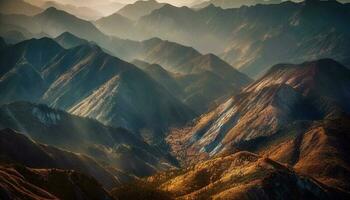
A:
[264,109]
[238,176]
[68,40]
[69,78]
[162,76]
[319,150]
[18,84]
[198,74]
[295,114]
[142,104]
[74,88]
[200,91]
[18,182]
[116,147]
[251,40]
[139,8]
[29,51]
[17,148]
[322,78]
[18,7]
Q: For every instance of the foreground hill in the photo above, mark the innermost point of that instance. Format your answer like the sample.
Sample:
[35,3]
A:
[278,107]
[18,182]
[238,176]
[18,149]
[320,151]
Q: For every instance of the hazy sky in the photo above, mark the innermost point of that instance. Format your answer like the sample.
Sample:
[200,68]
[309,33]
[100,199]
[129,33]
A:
[95,2]
[175,2]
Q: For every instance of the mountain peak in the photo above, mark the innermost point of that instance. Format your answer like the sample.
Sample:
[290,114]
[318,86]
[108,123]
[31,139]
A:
[69,40]
[54,12]
[321,65]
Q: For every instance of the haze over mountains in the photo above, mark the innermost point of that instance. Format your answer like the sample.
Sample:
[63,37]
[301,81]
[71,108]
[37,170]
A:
[149,100]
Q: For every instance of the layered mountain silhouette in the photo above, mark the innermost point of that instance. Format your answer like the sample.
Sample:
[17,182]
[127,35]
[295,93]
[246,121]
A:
[233,3]
[115,24]
[291,32]
[81,11]
[202,89]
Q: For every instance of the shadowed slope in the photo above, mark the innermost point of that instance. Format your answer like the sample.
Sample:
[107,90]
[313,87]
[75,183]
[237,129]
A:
[18,182]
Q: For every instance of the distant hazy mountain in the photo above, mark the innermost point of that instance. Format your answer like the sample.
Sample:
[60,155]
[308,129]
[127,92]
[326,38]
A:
[55,22]
[234,3]
[204,80]
[139,8]
[120,150]
[114,24]
[19,182]
[81,11]
[186,60]
[109,8]
[201,82]
[18,7]
[290,32]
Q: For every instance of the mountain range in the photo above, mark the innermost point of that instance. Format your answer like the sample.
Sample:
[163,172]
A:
[59,72]
[219,100]
[225,4]
[86,136]
[289,33]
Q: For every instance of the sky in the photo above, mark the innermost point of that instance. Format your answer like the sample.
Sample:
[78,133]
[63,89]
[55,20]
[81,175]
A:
[95,2]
